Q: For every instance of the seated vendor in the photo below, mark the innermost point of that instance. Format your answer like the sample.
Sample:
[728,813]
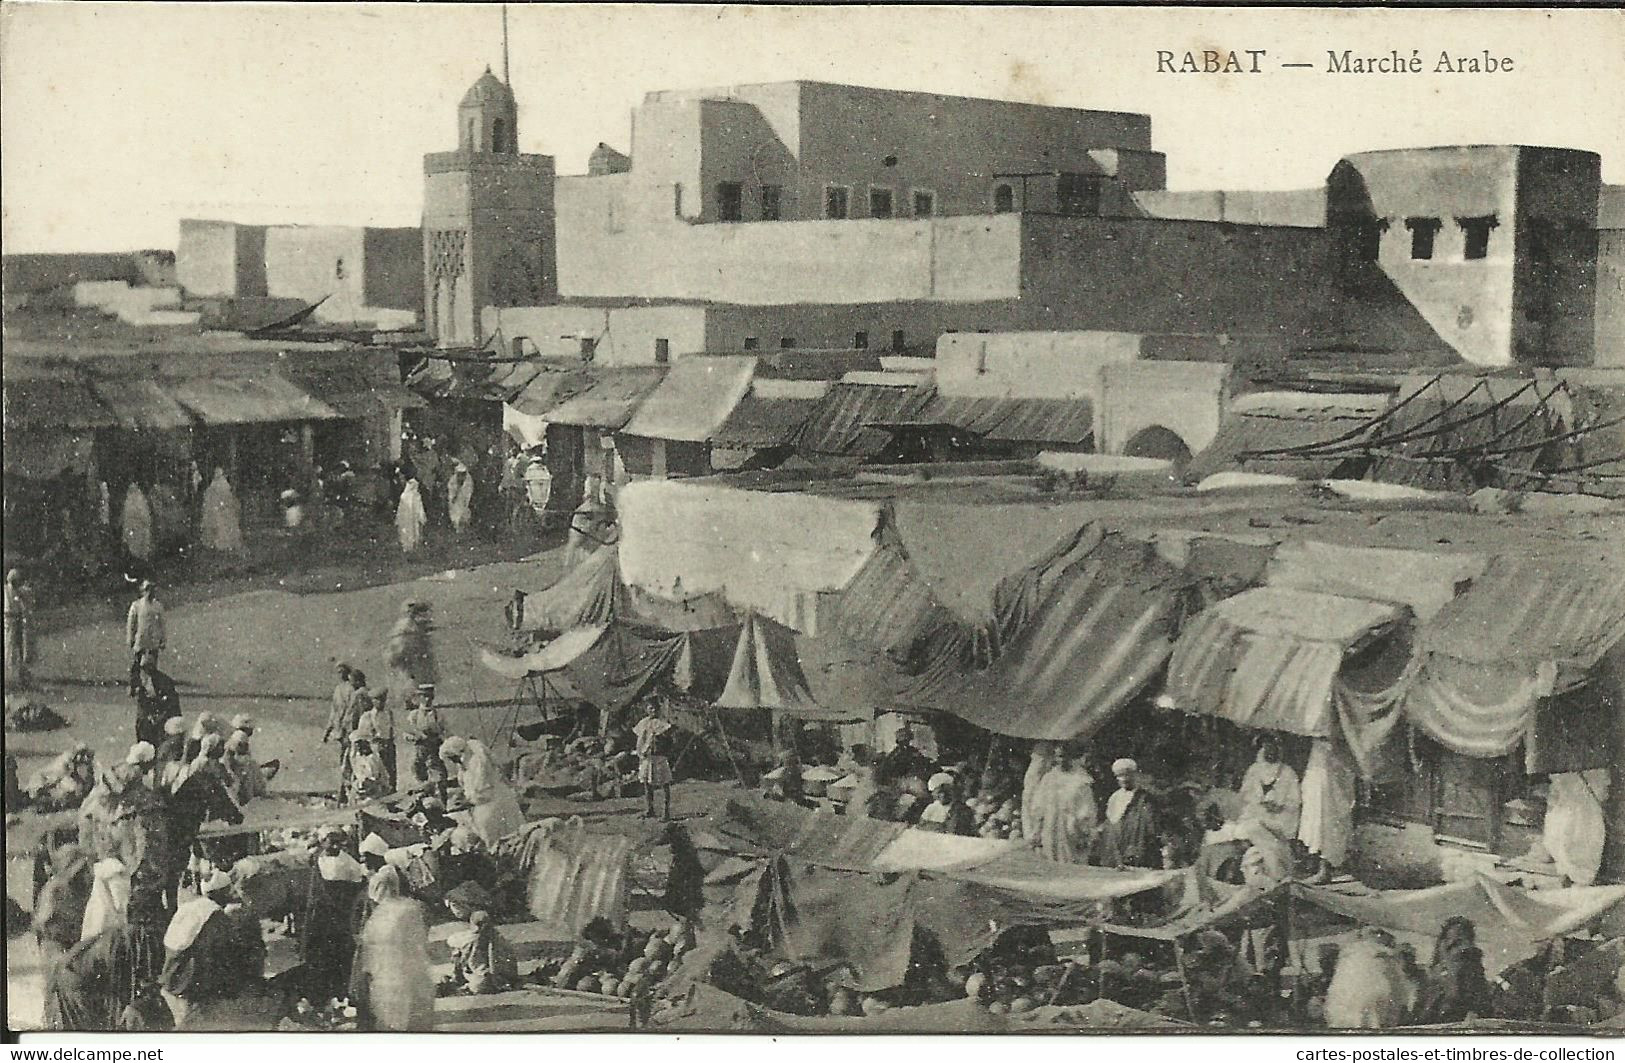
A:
[904,760]
[947,813]
[785,782]
[482,959]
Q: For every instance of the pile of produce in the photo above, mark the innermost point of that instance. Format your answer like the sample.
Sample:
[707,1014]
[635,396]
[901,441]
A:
[625,963]
[996,818]
[334,1015]
[996,800]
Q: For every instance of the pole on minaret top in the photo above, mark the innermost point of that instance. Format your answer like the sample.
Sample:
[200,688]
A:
[505,80]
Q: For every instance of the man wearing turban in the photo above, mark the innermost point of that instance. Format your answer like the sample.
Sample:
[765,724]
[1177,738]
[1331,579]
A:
[1128,837]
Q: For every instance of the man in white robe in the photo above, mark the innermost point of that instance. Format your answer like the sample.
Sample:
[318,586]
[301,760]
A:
[109,897]
[1327,822]
[460,496]
[410,519]
[1269,791]
[1065,816]
[1038,765]
[493,808]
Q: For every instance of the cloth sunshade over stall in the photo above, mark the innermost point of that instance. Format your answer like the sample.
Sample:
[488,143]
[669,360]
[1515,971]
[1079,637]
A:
[612,665]
[1295,434]
[1490,662]
[1269,657]
[1071,659]
[840,425]
[1059,422]
[825,892]
[593,593]
[766,674]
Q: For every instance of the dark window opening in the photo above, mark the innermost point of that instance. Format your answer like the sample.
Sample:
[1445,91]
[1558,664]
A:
[787,342]
[890,160]
[518,346]
[861,341]
[925,204]
[730,201]
[751,343]
[1423,233]
[1078,195]
[772,205]
[589,347]
[499,132]
[879,202]
[677,199]
[1004,199]
[338,269]
[662,352]
[1476,234]
[897,339]
[834,202]
[1368,239]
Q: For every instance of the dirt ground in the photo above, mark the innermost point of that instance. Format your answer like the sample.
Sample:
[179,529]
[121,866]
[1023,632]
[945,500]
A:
[266,646]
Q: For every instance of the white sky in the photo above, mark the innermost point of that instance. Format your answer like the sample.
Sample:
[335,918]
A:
[119,119]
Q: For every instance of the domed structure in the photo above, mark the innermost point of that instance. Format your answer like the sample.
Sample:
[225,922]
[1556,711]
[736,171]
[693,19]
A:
[488,89]
[488,117]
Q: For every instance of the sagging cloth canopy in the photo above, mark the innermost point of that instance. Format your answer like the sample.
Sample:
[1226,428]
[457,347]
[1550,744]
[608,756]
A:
[1269,657]
[1510,660]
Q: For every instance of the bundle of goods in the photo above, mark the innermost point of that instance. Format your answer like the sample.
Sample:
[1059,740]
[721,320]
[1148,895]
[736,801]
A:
[335,1015]
[995,798]
[30,714]
[625,963]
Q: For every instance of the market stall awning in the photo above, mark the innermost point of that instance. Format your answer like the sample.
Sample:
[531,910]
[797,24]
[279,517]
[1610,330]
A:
[141,404]
[549,388]
[768,417]
[695,398]
[1492,659]
[553,657]
[1100,635]
[476,375]
[593,593]
[1288,434]
[1268,657]
[1535,915]
[766,673]
[1067,422]
[840,426]
[55,400]
[248,399]
[352,386]
[609,400]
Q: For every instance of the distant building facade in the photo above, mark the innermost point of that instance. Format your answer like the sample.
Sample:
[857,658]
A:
[807,214]
[358,275]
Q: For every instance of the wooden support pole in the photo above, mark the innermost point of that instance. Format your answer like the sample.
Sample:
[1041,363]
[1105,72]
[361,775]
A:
[1184,980]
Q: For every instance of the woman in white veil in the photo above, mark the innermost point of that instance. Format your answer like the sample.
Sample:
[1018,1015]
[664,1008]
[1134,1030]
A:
[222,516]
[410,518]
[136,524]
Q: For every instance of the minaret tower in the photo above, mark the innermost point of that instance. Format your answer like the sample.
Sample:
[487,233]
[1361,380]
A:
[487,217]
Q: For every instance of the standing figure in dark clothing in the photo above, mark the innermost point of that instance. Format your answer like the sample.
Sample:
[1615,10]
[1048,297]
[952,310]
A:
[337,881]
[156,701]
[904,761]
[1128,837]
[95,983]
[211,953]
[1454,988]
